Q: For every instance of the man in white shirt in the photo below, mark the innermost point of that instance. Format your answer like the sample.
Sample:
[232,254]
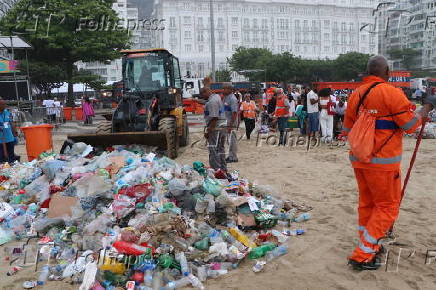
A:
[313,112]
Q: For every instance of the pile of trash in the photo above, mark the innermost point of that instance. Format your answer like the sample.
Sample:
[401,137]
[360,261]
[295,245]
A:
[128,218]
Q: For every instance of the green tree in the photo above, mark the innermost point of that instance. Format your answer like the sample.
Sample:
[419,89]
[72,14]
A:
[45,77]
[350,65]
[63,32]
[406,56]
[91,80]
[223,76]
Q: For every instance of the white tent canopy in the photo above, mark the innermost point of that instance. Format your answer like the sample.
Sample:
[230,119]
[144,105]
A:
[77,88]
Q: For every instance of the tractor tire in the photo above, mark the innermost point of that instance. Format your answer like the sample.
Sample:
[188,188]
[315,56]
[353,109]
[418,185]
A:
[104,127]
[184,139]
[169,126]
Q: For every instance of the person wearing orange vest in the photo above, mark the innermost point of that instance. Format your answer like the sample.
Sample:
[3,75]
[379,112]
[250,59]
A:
[379,181]
[282,114]
[248,108]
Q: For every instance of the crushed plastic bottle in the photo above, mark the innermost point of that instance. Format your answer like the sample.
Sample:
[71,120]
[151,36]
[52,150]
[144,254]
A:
[277,252]
[303,217]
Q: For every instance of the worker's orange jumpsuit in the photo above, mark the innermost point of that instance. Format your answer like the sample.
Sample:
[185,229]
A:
[379,181]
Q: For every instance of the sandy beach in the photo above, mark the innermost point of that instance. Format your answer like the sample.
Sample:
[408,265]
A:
[323,179]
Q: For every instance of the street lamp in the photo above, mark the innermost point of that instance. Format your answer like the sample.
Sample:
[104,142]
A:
[212,39]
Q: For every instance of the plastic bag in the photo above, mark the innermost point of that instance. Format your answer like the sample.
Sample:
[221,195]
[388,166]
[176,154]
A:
[40,188]
[5,236]
[91,185]
[212,186]
[177,186]
[50,168]
[99,224]
[122,205]
[362,136]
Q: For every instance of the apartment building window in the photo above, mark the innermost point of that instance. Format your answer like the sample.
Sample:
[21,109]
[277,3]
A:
[351,27]
[235,21]
[264,23]
[298,37]
[220,22]
[256,36]
[187,20]
[200,22]
[246,36]
[343,39]
[326,49]
[200,36]
[343,27]
[188,47]
[305,25]
[173,36]
[335,26]
[282,9]
[187,34]
[314,25]
[221,36]
[363,38]
[234,34]
[327,36]
[281,35]
[297,24]
[201,48]
[255,23]
[172,22]
[246,23]
[327,24]
[186,6]
[371,39]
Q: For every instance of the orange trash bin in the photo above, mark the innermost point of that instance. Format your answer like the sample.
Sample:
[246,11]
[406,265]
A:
[38,140]
[79,114]
[68,113]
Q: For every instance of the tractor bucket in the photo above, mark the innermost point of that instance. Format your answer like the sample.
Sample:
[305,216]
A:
[148,138]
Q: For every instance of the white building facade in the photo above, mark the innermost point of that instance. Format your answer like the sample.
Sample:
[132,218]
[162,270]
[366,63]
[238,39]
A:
[113,71]
[312,29]
[409,24]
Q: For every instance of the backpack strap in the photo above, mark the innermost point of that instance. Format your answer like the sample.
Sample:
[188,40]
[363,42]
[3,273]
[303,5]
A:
[362,99]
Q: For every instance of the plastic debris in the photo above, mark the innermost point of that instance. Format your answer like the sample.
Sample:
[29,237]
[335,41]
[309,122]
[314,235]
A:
[128,218]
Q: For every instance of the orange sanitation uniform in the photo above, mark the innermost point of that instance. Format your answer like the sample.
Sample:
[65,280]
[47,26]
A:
[379,181]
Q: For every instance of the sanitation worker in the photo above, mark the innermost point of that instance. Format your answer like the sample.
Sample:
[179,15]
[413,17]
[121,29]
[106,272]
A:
[379,180]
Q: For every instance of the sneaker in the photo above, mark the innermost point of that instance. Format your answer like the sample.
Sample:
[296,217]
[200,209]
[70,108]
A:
[374,264]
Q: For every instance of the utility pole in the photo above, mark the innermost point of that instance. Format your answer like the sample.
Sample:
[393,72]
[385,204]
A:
[15,74]
[212,39]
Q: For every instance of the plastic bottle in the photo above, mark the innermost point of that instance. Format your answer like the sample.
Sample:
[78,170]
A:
[293,232]
[211,204]
[157,281]
[195,282]
[148,278]
[303,217]
[261,251]
[280,236]
[43,276]
[277,252]
[258,266]
[216,273]
[202,273]
[131,248]
[183,264]
[241,237]
[177,284]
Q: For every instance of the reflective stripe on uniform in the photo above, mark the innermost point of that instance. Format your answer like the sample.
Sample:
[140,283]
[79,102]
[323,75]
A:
[366,249]
[379,160]
[410,124]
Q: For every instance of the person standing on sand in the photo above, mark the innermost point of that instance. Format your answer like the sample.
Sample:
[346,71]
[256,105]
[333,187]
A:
[88,111]
[215,129]
[379,181]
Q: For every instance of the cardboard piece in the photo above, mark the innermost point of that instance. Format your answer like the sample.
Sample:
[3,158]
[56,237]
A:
[246,220]
[60,205]
[118,162]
